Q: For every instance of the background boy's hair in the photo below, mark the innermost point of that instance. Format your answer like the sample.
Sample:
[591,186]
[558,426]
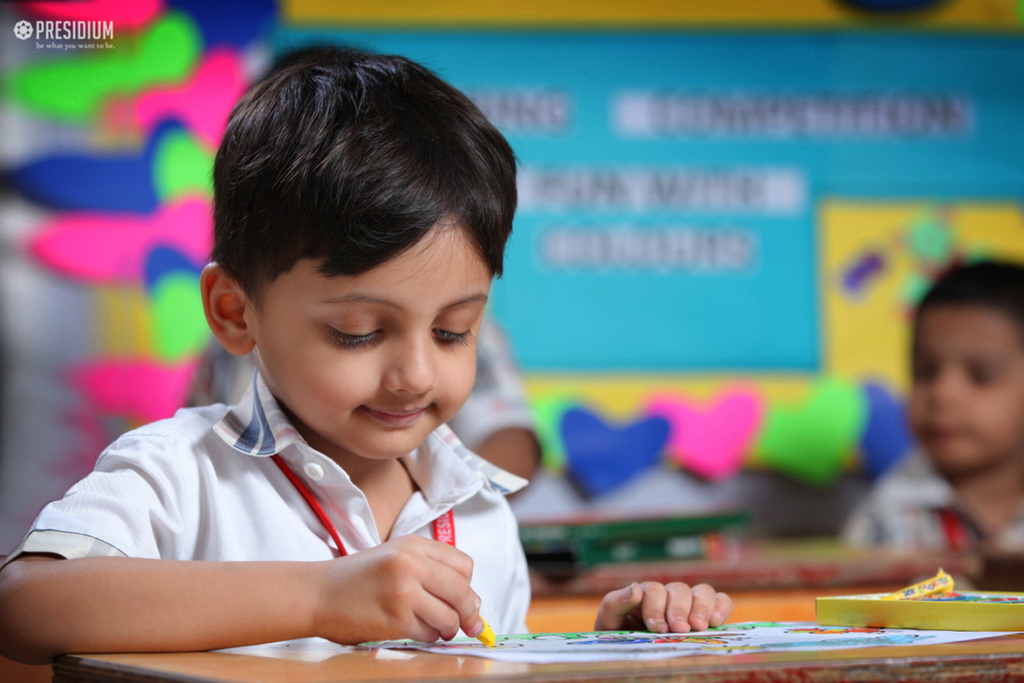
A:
[998,285]
[352,157]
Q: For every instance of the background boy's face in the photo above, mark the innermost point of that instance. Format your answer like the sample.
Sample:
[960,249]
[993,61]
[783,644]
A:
[967,402]
[366,366]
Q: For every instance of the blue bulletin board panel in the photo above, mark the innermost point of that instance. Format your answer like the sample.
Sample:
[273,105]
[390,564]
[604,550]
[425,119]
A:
[671,182]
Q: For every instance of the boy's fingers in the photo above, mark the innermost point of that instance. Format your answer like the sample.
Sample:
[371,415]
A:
[449,556]
[680,600]
[452,589]
[704,601]
[435,620]
[653,607]
[723,608]
[615,607]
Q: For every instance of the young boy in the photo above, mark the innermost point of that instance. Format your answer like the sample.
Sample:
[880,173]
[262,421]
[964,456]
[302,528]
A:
[966,485]
[361,210]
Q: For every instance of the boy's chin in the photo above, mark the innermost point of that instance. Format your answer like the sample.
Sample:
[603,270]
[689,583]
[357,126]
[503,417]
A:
[958,464]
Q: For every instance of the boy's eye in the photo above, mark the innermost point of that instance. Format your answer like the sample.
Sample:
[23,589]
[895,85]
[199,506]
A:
[446,337]
[982,376]
[923,372]
[340,338]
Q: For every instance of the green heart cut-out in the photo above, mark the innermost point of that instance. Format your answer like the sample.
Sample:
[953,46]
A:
[811,441]
[179,325]
[76,89]
[547,416]
[182,166]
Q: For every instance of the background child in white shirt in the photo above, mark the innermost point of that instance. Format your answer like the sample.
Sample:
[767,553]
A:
[964,485]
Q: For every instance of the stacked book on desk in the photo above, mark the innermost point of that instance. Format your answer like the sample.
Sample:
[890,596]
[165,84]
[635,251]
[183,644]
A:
[562,548]
[765,564]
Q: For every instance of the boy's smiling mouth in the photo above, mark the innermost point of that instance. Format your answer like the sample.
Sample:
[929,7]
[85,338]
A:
[395,418]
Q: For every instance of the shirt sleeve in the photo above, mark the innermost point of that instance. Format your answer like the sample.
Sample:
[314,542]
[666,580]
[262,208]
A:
[129,505]
[498,400]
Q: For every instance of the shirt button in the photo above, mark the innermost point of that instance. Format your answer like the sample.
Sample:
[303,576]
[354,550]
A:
[313,471]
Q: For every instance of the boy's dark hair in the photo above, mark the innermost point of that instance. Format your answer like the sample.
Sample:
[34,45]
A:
[998,285]
[352,157]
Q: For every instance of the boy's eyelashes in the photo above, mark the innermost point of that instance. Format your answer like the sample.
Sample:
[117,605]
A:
[462,338]
[978,374]
[340,338]
[445,337]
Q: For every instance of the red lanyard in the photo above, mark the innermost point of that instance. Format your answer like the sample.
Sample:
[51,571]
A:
[444,526]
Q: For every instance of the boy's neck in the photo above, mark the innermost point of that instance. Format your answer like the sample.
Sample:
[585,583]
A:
[993,497]
[387,486]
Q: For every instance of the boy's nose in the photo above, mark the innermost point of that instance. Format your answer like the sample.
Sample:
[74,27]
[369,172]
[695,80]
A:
[411,369]
[947,386]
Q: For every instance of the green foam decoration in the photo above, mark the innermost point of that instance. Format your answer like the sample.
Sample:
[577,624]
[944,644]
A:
[812,441]
[547,415]
[179,324]
[929,240]
[76,89]
[182,166]
[914,287]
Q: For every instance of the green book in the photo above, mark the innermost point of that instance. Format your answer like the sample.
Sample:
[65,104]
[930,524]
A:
[565,547]
[610,529]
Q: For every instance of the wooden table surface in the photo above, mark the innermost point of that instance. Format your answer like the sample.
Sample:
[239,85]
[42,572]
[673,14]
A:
[996,659]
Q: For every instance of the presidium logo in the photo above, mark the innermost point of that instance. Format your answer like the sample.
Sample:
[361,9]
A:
[67,30]
[23,30]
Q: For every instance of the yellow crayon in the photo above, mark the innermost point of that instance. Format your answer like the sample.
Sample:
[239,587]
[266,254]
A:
[940,583]
[487,635]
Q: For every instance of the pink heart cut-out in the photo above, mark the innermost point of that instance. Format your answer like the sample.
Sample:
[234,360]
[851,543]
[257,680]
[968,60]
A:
[202,104]
[710,441]
[126,14]
[141,389]
[112,248]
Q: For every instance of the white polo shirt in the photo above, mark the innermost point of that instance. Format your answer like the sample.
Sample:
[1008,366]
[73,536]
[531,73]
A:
[201,486]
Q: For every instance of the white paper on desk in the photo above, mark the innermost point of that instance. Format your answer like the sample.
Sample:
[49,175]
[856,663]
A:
[303,649]
[550,648]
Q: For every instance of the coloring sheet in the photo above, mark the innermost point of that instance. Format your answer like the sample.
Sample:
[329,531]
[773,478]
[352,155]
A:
[545,648]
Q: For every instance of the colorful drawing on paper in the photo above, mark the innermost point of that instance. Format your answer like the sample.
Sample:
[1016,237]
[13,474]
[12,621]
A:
[543,648]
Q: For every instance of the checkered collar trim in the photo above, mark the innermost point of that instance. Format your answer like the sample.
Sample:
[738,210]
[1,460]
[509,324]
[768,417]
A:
[257,425]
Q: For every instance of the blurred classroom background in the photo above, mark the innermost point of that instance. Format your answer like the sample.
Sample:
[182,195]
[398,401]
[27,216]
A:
[727,211]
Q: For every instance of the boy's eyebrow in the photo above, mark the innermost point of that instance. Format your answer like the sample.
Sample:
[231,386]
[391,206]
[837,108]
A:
[367,299]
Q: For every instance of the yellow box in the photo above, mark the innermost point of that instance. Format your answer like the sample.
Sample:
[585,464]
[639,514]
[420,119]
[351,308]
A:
[959,611]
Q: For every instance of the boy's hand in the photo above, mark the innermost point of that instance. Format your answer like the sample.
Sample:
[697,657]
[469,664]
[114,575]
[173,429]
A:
[653,607]
[410,587]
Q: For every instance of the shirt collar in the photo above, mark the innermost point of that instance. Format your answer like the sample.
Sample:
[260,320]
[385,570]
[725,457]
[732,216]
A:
[443,438]
[256,425]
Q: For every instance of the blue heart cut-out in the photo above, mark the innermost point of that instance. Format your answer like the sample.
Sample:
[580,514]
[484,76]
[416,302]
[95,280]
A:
[886,437]
[601,457]
[162,260]
[94,181]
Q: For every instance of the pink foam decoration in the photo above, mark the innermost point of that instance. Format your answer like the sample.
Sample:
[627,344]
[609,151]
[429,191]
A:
[129,14]
[202,104]
[712,441]
[112,248]
[141,389]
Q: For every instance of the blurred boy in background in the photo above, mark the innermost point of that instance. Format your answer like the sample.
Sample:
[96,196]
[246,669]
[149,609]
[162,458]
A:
[964,486]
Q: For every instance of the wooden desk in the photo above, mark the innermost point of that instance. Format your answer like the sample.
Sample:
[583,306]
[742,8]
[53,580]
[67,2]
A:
[999,659]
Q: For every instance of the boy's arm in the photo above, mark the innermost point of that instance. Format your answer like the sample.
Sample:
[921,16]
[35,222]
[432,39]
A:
[50,606]
[408,588]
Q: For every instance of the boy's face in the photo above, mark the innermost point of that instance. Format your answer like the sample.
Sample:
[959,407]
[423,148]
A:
[366,366]
[967,402]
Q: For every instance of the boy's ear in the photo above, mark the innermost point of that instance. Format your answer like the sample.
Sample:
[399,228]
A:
[225,306]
